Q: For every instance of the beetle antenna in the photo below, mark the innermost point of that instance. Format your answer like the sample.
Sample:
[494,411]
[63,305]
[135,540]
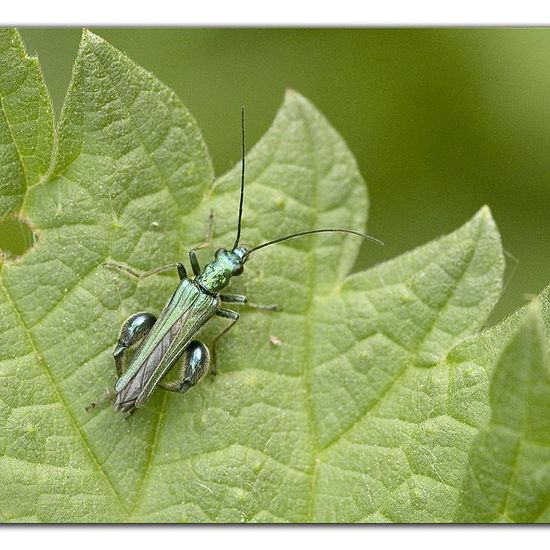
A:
[301,234]
[241,201]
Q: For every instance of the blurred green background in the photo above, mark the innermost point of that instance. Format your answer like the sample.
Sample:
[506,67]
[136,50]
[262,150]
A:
[441,121]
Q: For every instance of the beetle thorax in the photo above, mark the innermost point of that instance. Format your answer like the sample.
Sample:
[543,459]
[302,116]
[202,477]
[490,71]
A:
[217,274]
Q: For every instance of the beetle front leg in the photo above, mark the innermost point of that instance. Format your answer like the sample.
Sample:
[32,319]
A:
[194,260]
[192,256]
[196,360]
[182,272]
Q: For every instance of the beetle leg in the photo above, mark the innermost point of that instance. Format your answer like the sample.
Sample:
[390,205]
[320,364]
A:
[193,259]
[238,299]
[210,228]
[227,314]
[107,397]
[182,272]
[192,256]
[133,330]
[196,359]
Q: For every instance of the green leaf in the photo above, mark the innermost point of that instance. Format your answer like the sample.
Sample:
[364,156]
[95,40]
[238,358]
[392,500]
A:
[508,474]
[373,407]
[390,449]
[26,123]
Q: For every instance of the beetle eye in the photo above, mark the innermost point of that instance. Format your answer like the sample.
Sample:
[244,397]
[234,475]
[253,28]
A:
[220,251]
[239,270]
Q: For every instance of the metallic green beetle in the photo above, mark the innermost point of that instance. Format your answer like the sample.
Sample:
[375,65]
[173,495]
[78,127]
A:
[161,343]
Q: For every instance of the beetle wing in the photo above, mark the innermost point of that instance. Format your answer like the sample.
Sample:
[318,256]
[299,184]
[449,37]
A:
[203,309]
[185,313]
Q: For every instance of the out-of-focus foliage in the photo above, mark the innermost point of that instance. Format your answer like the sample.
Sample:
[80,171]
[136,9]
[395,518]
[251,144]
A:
[441,121]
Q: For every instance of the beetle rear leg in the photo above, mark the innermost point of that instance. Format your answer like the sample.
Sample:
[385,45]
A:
[103,399]
[196,360]
[133,330]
